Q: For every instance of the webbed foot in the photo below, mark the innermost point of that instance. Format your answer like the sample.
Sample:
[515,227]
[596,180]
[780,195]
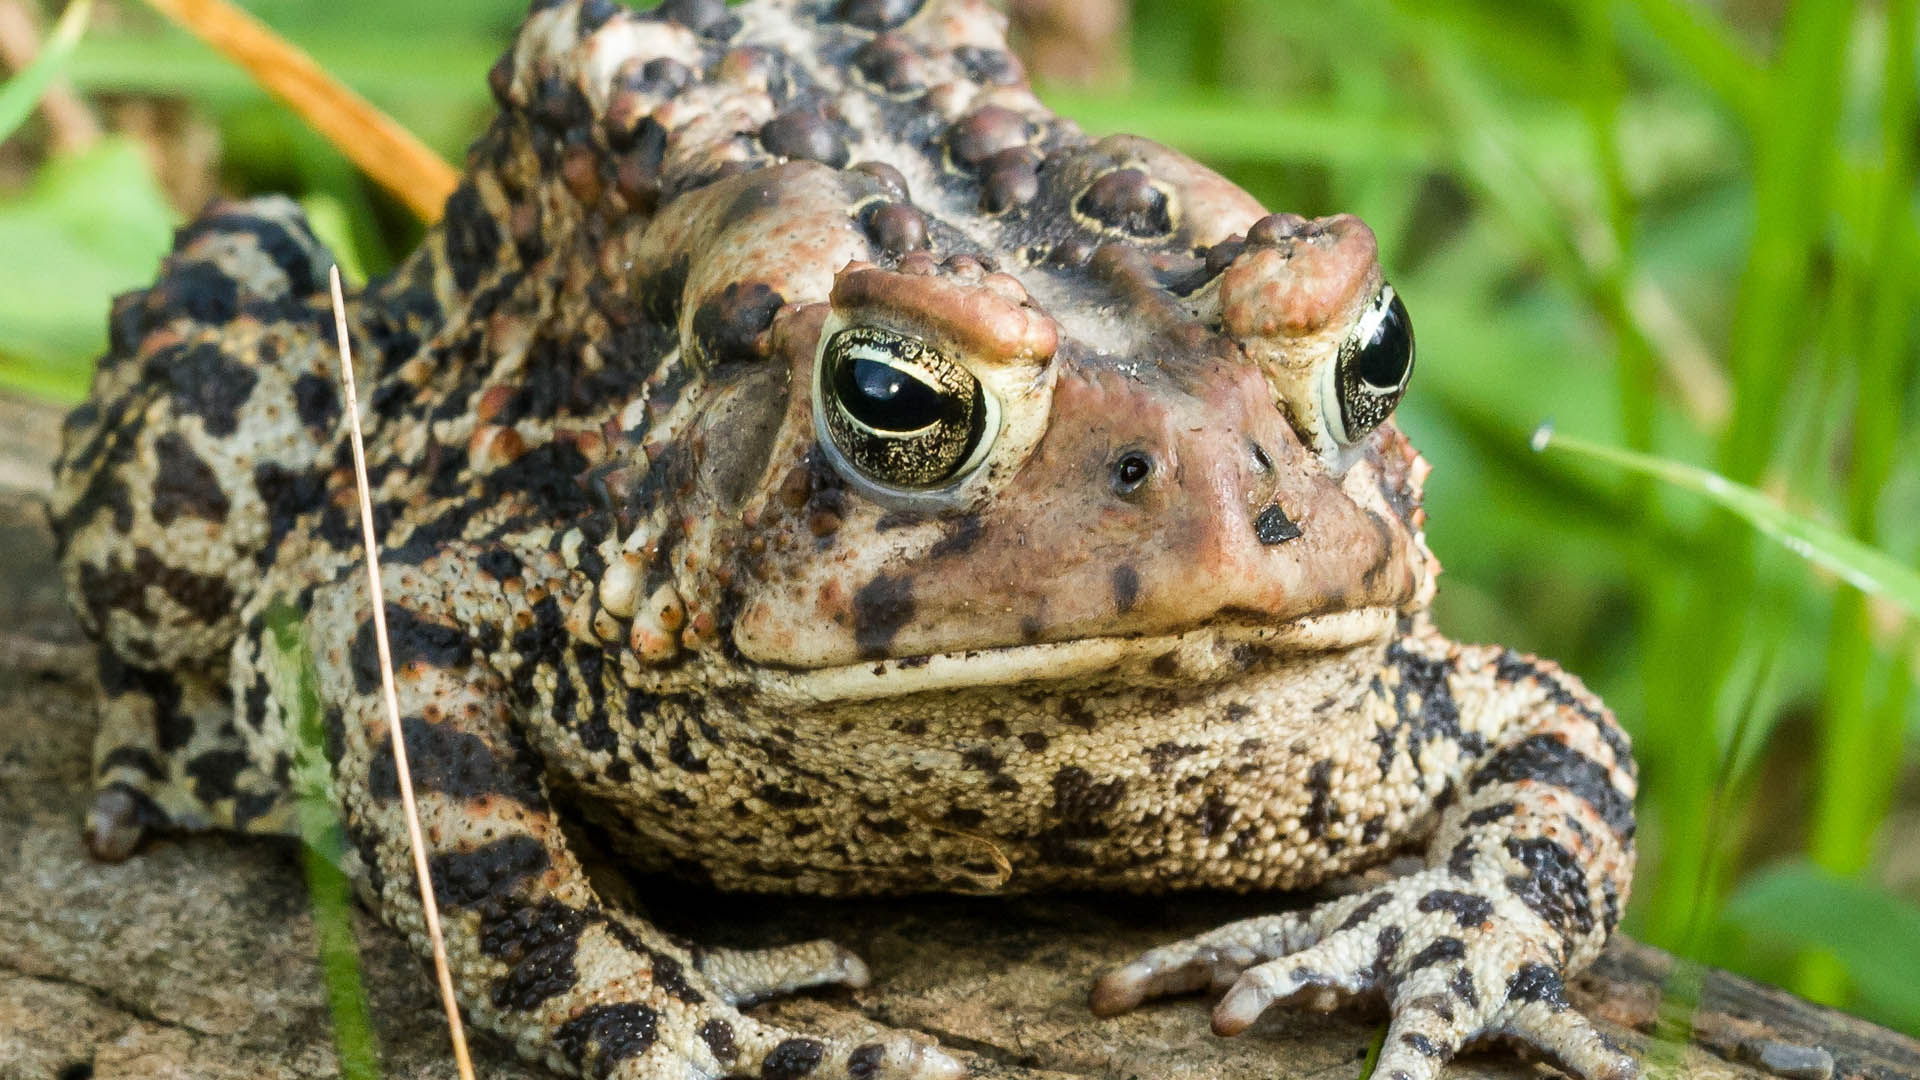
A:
[1455,966]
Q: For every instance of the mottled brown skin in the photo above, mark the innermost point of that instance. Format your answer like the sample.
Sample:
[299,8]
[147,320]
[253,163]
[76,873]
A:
[628,583]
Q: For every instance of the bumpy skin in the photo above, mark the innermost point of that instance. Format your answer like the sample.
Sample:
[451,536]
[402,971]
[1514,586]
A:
[627,586]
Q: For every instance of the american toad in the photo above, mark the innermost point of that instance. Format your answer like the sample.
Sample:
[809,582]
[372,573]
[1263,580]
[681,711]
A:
[808,465]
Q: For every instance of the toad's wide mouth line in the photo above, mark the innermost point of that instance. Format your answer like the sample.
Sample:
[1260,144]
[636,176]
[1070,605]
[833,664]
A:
[1204,655]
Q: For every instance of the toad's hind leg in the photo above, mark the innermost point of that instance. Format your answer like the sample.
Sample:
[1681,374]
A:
[176,481]
[167,756]
[536,954]
[1526,874]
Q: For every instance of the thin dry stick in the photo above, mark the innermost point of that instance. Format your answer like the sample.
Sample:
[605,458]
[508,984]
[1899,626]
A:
[386,151]
[427,905]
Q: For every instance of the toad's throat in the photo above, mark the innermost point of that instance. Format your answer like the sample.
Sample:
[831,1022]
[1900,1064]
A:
[1198,656]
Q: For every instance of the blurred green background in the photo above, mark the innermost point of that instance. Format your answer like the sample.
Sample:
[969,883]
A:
[1681,227]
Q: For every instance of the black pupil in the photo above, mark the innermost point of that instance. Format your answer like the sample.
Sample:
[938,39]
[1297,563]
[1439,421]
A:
[1383,359]
[1133,470]
[885,398]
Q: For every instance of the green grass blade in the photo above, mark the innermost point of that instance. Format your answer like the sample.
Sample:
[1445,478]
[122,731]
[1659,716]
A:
[1865,568]
[90,225]
[323,851]
[22,92]
[1214,125]
[1708,52]
[1874,933]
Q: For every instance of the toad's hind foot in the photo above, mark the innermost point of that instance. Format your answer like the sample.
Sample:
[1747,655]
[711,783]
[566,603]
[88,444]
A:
[1446,959]
[168,758]
[1526,873]
[744,976]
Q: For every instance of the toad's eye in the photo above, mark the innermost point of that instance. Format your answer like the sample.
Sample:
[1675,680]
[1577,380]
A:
[897,411]
[1373,368]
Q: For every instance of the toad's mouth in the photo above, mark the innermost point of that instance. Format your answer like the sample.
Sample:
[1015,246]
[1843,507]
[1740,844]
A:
[1193,657]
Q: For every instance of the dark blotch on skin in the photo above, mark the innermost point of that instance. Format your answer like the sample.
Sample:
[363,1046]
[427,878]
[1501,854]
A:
[499,564]
[412,638]
[1160,755]
[207,598]
[315,402]
[961,536]
[1126,588]
[670,975]
[488,872]
[1386,947]
[880,609]
[1462,986]
[539,943]
[1460,862]
[698,16]
[201,291]
[214,773]
[726,325]
[1538,983]
[792,1059]
[878,14]
[865,1060]
[453,762]
[206,383]
[1365,911]
[1078,798]
[1439,951]
[186,484]
[985,65]
[1467,909]
[287,496]
[1421,1045]
[1515,668]
[1487,815]
[889,64]
[1545,759]
[594,14]
[288,252]
[1273,526]
[718,1035]
[1424,702]
[549,478]
[1554,887]
[1319,813]
[680,752]
[131,757]
[472,236]
[611,1033]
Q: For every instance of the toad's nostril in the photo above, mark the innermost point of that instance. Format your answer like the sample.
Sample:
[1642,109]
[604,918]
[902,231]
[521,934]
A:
[1273,526]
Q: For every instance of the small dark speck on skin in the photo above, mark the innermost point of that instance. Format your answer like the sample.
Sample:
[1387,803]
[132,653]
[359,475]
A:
[1273,526]
[880,609]
[1126,588]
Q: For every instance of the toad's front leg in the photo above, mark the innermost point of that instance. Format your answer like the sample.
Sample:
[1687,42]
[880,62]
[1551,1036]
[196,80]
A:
[1526,875]
[535,954]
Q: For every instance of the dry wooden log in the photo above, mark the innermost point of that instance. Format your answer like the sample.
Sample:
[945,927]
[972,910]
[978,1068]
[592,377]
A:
[197,959]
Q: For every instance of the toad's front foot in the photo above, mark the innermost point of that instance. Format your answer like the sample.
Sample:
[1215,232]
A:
[1455,965]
